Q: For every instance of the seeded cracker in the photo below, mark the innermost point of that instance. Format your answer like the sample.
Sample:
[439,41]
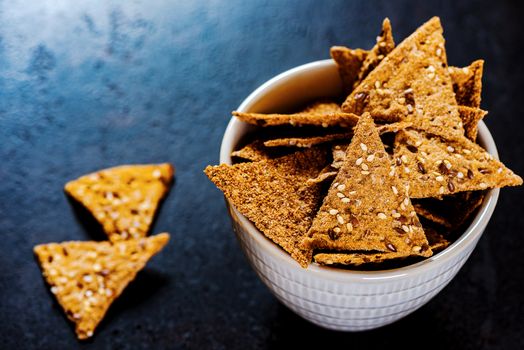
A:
[322,107]
[385,44]
[271,193]
[467,83]
[254,152]
[412,83]
[306,142]
[470,119]
[435,167]
[436,242]
[86,277]
[123,199]
[367,208]
[299,119]
[349,64]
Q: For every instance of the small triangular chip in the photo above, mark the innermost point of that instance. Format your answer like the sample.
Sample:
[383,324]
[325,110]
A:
[366,207]
[470,119]
[299,119]
[272,194]
[349,63]
[123,199]
[435,167]
[467,83]
[436,242]
[413,83]
[86,277]
[253,151]
[385,44]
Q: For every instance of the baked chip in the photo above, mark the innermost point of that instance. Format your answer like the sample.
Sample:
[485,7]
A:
[385,44]
[254,152]
[436,167]
[367,208]
[86,277]
[436,241]
[470,119]
[299,119]
[349,63]
[412,83]
[272,194]
[123,199]
[322,107]
[306,142]
[467,83]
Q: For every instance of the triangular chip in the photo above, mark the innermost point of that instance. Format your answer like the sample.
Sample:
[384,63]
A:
[299,119]
[450,211]
[436,167]
[366,208]
[86,277]
[412,83]
[306,142]
[470,119]
[349,64]
[271,193]
[385,44]
[436,242]
[123,199]
[467,83]
[253,151]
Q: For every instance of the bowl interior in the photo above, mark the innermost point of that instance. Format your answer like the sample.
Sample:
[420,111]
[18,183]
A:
[306,83]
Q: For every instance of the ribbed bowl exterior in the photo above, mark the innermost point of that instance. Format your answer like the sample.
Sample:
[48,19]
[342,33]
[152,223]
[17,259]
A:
[327,296]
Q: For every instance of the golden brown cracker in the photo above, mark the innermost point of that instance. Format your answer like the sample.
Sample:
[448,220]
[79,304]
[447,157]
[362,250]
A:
[436,167]
[271,193]
[123,199]
[86,277]
[307,142]
[385,44]
[349,63]
[412,83]
[299,119]
[322,107]
[470,119]
[253,151]
[366,207]
[467,83]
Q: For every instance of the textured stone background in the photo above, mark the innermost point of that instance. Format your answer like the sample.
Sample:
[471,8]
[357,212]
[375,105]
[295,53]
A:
[87,85]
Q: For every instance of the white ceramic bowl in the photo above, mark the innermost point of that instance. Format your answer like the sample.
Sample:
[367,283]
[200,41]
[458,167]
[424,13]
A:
[329,297]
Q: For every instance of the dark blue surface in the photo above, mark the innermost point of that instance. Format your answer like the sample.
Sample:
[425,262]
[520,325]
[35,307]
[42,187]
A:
[88,85]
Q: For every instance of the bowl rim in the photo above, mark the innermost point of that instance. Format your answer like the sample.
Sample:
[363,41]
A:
[470,235]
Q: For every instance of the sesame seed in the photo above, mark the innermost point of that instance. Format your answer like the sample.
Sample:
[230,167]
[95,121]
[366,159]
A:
[364,172]
[392,171]
[352,193]
[404,158]
[396,215]
[364,166]
[416,248]
[89,333]
[395,191]
[410,108]
[335,184]
[460,175]
[450,149]
[406,170]
[405,228]
[483,185]
[441,189]
[406,201]
[363,147]
[325,125]
[340,219]
[345,200]
[97,267]
[341,187]
[359,161]
[109,196]
[499,170]
[349,226]
[54,289]
[382,216]
[340,195]
[402,100]
[439,52]
[336,229]
[333,211]
[157,173]
[466,151]
[370,158]
[88,293]
[382,44]
[439,178]
[87,278]
[402,206]
[447,164]
[377,84]
[431,75]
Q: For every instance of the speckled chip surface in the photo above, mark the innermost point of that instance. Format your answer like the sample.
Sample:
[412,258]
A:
[434,166]
[367,208]
[274,196]
[467,83]
[86,277]
[299,119]
[123,199]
